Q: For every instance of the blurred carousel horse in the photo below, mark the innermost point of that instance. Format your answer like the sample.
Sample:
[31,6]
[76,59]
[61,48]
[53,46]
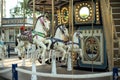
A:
[36,36]
[3,48]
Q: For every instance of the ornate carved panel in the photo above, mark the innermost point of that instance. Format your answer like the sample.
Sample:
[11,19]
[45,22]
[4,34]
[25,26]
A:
[92,46]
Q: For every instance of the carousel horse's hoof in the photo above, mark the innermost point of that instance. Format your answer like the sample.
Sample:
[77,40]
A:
[40,60]
[79,58]
[19,57]
[48,61]
[62,61]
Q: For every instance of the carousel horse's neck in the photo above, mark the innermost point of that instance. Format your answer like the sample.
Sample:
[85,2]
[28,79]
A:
[75,38]
[39,27]
[58,34]
[42,25]
[61,33]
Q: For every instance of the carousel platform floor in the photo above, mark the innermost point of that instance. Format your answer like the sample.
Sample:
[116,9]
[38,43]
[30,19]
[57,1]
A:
[44,68]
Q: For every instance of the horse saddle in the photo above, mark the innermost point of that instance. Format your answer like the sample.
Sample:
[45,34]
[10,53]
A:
[26,36]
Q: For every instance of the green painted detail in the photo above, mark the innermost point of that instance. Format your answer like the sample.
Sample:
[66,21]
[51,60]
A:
[39,33]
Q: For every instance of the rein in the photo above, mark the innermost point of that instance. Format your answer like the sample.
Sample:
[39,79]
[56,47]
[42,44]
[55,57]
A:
[59,40]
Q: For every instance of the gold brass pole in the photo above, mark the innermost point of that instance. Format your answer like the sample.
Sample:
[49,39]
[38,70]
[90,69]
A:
[71,28]
[52,17]
[33,13]
[24,12]
[1,13]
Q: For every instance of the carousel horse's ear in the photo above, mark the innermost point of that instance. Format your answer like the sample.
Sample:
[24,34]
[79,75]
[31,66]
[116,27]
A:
[46,15]
[67,26]
[78,31]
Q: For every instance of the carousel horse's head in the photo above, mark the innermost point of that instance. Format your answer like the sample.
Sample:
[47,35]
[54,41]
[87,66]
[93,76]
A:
[79,34]
[64,31]
[45,22]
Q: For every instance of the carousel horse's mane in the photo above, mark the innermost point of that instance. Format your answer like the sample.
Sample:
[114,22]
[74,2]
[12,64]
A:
[40,17]
[58,27]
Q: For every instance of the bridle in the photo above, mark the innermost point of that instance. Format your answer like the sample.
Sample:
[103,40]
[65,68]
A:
[42,20]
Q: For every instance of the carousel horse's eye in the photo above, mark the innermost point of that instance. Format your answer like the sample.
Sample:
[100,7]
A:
[45,20]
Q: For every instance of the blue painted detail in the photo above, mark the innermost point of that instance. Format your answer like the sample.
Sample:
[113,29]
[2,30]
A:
[79,42]
[115,73]
[104,65]
[58,40]
[1,43]
[14,72]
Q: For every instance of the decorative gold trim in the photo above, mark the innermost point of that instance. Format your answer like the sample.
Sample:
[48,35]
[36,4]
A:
[78,6]
[64,21]
[59,16]
[97,13]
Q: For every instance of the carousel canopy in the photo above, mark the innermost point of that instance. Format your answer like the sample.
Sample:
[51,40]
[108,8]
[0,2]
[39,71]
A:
[46,5]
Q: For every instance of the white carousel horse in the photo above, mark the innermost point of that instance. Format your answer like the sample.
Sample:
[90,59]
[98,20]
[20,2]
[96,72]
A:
[77,37]
[3,48]
[38,34]
[59,40]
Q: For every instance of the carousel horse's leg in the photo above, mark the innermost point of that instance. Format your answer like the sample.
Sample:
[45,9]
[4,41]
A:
[2,62]
[49,42]
[1,58]
[18,52]
[29,48]
[63,53]
[43,54]
[43,46]
[80,54]
[23,56]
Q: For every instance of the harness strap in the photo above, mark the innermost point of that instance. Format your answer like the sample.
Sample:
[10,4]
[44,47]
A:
[41,20]
[59,40]
[38,33]
[73,43]
[79,42]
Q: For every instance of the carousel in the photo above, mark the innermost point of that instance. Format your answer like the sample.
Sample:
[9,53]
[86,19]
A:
[95,48]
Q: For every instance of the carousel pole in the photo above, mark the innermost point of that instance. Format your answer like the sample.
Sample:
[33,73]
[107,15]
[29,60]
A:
[24,12]
[43,9]
[23,62]
[53,52]
[2,61]
[70,62]
[33,77]
[1,12]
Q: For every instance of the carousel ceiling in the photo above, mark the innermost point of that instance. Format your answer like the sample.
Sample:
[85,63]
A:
[46,5]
